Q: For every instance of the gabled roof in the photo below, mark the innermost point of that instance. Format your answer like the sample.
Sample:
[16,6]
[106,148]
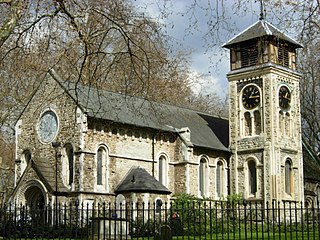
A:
[259,29]
[206,130]
[140,181]
[45,173]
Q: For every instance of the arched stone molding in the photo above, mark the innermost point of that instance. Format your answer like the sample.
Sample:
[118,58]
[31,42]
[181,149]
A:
[163,168]
[120,206]
[253,177]
[309,202]
[288,174]
[31,193]
[220,180]
[101,168]
[203,176]
[285,123]
[67,165]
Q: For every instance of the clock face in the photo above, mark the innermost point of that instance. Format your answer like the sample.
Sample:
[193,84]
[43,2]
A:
[48,126]
[250,97]
[284,97]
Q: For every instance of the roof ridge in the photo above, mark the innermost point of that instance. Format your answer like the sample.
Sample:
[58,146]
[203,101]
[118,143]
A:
[133,96]
[266,27]
[239,34]
[259,29]
[101,103]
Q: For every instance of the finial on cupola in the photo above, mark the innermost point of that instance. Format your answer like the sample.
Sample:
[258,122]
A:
[261,10]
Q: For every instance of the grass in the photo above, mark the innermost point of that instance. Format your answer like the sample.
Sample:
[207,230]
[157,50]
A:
[243,236]
[237,236]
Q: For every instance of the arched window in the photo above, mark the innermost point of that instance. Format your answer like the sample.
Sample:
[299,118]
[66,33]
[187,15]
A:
[25,159]
[101,169]
[69,151]
[120,206]
[288,176]
[100,156]
[281,122]
[287,125]
[257,122]
[158,204]
[68,164]
[162,170]
[219,179]
[252,177]
[248,124]
[203,175]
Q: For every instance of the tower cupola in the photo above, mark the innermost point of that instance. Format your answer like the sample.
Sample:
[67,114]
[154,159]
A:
[262,43]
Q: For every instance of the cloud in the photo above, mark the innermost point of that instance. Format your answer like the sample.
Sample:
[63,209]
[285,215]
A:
[190,30]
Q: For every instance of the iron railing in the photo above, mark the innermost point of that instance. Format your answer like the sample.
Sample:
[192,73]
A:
[174,220]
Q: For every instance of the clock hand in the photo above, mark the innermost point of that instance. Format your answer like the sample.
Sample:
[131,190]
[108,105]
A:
[286,96]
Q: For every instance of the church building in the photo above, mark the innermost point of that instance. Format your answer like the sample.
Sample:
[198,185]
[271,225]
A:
[80,143]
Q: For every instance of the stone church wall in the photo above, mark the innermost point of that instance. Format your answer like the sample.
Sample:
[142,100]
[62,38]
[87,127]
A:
[128,147]
[49,96]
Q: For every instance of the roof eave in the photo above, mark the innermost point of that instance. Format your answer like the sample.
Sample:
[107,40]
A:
[143,191]
[266,32]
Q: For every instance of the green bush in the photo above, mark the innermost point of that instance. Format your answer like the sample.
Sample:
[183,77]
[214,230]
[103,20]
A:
[204,216]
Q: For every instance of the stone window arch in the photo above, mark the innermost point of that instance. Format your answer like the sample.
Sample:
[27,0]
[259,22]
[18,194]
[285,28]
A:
[281,122]
[285,123]
[163,169]
[120,206]
[257,122]
[309,203]
[288,179]
[248,124]
[252,177]
[203,177]
[68,164]
[221,178]
[102,174]
[158,205]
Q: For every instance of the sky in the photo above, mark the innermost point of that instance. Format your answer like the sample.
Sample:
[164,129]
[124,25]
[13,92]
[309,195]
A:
[212,61]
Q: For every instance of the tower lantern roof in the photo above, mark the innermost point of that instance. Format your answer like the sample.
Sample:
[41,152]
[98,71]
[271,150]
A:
[259,29]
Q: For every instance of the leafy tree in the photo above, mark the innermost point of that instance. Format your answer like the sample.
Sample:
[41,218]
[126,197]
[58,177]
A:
[109,44]
[6,168]
[310,93]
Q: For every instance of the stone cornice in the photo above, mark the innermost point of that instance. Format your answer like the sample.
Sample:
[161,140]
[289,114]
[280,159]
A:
[260,70]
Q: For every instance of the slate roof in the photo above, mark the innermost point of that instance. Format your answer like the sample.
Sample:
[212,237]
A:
[259,29]
[48,175]
[140,181]
[206,130]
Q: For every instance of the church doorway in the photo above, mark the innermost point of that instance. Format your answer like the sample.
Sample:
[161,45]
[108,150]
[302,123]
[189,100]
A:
[34,197]
[36,203]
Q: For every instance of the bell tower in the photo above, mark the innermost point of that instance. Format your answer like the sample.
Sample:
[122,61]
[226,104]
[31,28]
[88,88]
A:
[264,115]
